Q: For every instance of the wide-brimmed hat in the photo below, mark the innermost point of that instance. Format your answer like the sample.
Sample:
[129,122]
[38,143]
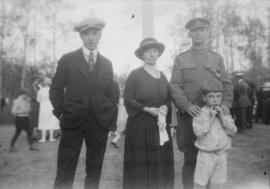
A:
[148,43]
[87,23]
[196,23]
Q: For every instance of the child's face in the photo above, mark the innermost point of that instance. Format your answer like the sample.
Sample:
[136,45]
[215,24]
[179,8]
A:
[213,99]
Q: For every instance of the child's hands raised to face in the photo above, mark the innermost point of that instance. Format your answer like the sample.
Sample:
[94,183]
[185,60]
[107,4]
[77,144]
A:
[213,112]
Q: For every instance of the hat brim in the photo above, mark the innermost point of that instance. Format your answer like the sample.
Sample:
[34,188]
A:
[197,27]
[140,50]
[82,29]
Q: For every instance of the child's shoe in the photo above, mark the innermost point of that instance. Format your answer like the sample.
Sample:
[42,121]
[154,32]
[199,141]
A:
[52,139]
[42,140]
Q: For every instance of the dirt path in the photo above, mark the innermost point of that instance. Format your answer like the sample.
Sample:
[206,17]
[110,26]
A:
[249,161]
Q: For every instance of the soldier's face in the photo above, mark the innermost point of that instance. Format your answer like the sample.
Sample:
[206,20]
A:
[213,99]
[199,35]
[150,56]
[90,38]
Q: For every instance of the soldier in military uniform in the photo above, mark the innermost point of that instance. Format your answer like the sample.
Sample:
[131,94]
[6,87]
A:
[190,70]
[240,101]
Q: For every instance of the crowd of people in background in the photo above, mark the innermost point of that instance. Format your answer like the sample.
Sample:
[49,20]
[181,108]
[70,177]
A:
[251,103]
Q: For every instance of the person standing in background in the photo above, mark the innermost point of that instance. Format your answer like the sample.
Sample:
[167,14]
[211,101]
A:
[190,70]
[46,121]
[35,86]
[240,101]
[21,109]
[251,92]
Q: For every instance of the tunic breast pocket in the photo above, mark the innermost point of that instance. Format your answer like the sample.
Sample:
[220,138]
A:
[188,74]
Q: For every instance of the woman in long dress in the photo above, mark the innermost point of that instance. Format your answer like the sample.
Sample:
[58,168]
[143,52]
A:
[46,121]
[148,156]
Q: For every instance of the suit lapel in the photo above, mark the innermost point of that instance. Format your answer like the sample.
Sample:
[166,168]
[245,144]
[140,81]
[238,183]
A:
[81,64]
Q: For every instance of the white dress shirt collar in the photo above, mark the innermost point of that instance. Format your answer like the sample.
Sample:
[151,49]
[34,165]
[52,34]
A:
[86,53]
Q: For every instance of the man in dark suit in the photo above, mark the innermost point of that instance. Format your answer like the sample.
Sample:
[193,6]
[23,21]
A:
[84,102]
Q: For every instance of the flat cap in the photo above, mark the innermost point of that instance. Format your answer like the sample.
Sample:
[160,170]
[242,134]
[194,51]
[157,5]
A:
[212,85]
[89,23]
[24,91]
[197,23]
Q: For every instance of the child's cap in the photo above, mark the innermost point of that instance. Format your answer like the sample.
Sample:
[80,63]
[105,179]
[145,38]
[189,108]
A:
[24,91]
[212,85]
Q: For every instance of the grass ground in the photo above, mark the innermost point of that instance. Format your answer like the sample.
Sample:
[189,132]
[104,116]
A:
[249,162]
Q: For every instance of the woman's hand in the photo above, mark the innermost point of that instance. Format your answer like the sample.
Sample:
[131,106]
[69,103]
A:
[163,109]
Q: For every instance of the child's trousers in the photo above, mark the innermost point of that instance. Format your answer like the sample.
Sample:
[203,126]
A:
[22,123]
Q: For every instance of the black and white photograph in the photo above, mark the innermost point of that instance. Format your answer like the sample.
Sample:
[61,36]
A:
[135,94]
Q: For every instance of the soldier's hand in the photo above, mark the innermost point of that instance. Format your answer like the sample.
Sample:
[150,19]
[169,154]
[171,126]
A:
[193,110]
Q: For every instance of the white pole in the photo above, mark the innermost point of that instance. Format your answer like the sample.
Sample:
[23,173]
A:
[148,18]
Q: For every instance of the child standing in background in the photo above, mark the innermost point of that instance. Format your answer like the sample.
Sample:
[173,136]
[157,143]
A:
[21,109]
[213,128]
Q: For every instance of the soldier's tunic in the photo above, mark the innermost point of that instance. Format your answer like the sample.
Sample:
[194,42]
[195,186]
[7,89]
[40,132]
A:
[190,70]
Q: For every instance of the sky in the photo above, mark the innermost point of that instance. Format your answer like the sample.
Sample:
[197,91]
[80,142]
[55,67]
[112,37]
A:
[123,31]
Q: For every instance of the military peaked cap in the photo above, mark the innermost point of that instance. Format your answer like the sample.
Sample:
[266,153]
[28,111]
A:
[197,23]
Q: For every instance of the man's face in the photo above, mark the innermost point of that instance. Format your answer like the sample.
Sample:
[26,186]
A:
[213,99]
[150,56]
[198,35]
[90,38]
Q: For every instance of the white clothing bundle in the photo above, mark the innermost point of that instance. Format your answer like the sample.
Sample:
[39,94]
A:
[163,135]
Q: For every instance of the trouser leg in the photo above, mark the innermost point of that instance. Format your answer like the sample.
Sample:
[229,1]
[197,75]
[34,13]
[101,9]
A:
[19,124]
[68,154]
[189,168]
[185,142]
[15,137]
[96,140]
[29,132]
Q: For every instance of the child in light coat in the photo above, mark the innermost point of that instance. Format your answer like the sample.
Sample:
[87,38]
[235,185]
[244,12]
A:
[213,129]
[21,109]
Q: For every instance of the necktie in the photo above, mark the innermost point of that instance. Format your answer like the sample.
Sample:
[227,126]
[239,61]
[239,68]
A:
[91,60]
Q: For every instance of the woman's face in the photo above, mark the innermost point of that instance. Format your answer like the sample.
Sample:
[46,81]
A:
[150,56]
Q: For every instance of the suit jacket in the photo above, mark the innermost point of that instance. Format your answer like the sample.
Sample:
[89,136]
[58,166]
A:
[77,92]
